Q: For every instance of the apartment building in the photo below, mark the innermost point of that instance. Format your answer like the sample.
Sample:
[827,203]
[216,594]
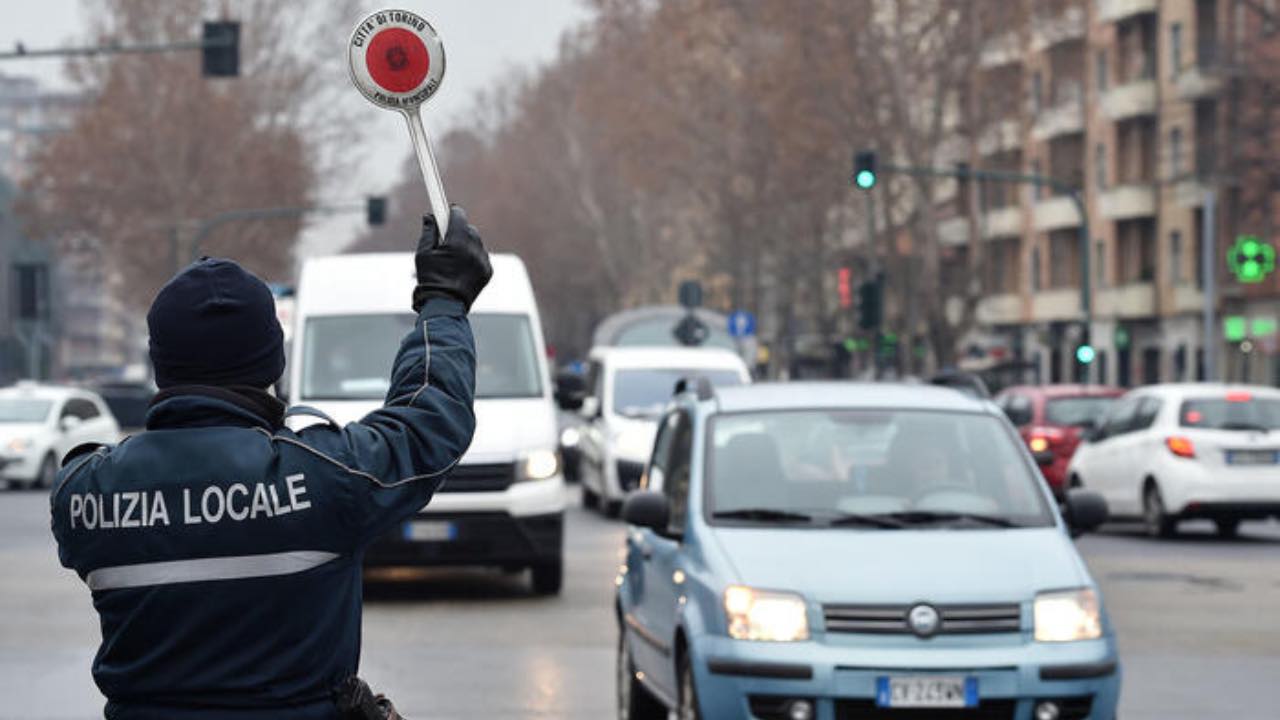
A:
[1132,101]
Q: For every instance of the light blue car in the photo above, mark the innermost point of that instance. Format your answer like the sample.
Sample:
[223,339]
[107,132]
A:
[838,551]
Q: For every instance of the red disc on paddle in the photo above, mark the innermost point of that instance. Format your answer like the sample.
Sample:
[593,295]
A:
[397,60]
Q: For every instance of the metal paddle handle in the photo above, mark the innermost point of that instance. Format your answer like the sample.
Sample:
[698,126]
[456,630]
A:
[430,170]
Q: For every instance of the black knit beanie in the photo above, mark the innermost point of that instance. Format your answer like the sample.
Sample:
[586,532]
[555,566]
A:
[215,324]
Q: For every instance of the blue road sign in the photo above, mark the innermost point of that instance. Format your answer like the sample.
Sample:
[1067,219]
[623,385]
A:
[742,324]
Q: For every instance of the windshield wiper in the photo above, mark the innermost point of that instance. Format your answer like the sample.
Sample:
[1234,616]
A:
[762,514]
[888,522]
[925,517]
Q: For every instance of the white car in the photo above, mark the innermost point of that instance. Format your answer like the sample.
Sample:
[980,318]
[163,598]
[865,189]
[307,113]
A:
[627,390]
[40,424]
[1175,452]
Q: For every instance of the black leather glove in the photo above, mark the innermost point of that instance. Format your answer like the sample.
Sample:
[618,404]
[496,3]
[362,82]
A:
[457,269]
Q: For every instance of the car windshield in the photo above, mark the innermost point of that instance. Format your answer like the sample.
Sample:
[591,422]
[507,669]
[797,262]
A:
[349,357]
[1076,411]
[24,410]
[1233,412]
[644,393]
[915,468]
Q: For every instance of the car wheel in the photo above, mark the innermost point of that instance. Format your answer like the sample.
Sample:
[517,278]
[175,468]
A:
[48,472]
[612,508]
[1228,529]
[634,701]
[548,577]
[590,500]
[688,705]
[1158,523]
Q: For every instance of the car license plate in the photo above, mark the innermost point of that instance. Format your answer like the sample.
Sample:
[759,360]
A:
[1251,457]
[927,691]
[430,531]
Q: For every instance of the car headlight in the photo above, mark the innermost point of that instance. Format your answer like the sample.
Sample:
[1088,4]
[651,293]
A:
[19,445]
[538,465]
[569,437]
[770,616]
[1067,616]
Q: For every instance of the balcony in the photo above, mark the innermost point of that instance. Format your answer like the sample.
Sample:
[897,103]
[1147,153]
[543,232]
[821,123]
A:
[1002,222]
[1056,213]
[1132,99]
[1003,50]
[1190,192]
[954,231]
[1059,304]
[1128,201]
[1047,32]
[1003,136]
[1000,309]
[1187,299]
[1117,10]
[1137,300]
[1198,82]
[1064,118]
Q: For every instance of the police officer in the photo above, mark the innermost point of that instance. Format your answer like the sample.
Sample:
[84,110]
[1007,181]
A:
[223,550]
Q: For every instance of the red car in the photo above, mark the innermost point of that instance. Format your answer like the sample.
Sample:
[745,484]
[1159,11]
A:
[1052,419]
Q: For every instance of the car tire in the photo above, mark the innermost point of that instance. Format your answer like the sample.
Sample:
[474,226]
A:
[687,703]
[1228,529]
[590,500]
[48,472]
[1157,522]
[634,700]
[548,577]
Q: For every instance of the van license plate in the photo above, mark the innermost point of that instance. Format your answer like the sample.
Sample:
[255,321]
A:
[927,691]
[1251,457]
[430,531]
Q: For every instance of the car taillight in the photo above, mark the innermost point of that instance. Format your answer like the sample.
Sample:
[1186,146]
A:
[1180,446]
[1040,439]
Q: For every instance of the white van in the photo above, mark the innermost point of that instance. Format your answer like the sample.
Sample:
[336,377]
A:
[504,503]
[627,390]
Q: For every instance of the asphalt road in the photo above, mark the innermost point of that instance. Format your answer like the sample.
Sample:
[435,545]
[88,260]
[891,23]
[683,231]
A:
[1197,617]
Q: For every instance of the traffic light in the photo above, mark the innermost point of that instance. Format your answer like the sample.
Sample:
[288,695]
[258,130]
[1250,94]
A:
[845,287]
[864,169]
[871,303]
[221,49]
[1251,260]
[1085,354]
[375,210]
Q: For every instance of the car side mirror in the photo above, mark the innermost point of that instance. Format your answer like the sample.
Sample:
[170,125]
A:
[647,508]
[1085,511]
[69,423]
[571,390]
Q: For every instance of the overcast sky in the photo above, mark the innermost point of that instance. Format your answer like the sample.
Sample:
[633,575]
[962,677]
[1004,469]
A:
[484,39]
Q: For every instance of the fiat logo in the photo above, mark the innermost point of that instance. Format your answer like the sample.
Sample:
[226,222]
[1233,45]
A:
[924,620]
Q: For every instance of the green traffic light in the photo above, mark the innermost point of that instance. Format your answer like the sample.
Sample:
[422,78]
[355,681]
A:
[865,179]
[1085,354]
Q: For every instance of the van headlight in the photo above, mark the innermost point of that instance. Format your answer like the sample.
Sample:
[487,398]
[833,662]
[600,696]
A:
[769,616]
[538,465]
[1067,616]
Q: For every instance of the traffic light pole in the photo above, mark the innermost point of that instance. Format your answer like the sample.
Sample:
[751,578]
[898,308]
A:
[873,268]
[1209,279]
[20,52]
[204,227]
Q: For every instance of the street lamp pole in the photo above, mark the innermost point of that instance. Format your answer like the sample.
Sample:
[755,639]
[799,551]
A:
[1209,280]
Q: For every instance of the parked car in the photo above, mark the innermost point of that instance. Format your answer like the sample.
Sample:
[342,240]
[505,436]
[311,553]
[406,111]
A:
[503,504]
[1051,420]
[855,550]
[40,424]
[628,389]
[1168,453]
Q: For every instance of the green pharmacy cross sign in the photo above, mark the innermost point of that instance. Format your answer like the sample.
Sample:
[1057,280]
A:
[1251,260]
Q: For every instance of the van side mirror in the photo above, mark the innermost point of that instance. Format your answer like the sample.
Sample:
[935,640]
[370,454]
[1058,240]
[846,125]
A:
[1085,511]
[648,509]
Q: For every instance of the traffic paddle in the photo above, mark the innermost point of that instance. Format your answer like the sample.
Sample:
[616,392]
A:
[397,62]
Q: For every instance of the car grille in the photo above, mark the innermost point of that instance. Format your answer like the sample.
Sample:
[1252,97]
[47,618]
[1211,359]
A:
[629,475]
[867,710]
[487,477]
[892,619]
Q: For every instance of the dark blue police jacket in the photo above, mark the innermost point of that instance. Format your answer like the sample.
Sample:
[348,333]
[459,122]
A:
[223,552]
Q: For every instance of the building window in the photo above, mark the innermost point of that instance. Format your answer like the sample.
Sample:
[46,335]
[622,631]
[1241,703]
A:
[1175,153]
[1037,89]
[1175,49]
[1176,274]
[1100,166]
[1100,262]
[1035,269]
[1102,70]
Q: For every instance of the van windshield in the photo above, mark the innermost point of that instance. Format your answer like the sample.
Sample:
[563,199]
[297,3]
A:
[349,357]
